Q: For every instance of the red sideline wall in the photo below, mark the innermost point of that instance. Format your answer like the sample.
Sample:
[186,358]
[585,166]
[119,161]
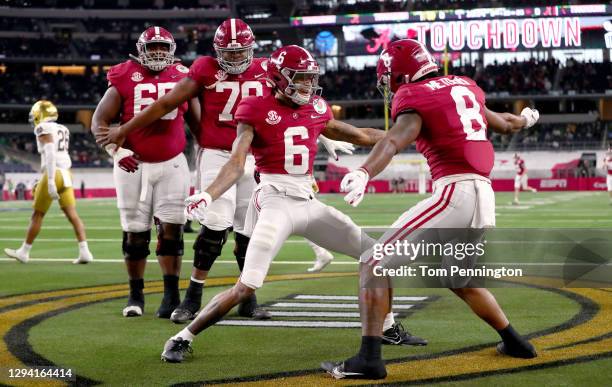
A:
[499,185]
[384,186]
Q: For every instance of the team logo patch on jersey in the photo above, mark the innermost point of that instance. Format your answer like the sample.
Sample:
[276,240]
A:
[221,75]
[182,69]
[137,77]
[273,118]
[319,105]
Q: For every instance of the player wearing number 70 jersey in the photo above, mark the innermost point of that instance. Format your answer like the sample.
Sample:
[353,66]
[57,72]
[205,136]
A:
[448,119]
[221,83]
[52,141]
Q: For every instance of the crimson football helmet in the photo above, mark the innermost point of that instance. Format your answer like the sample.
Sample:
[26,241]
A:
[295,73]
[155,60]
[403,61]
[233,44]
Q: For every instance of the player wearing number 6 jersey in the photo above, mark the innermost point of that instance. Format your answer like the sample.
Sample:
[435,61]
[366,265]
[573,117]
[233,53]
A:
[150,171]
[221,83]
[282,130]
[52,141]
[448,119]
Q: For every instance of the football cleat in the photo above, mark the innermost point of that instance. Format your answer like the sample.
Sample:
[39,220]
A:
[174,350]
[182,315]
[249,308]
[18,255]
[523,349]
[359,370]
[133,309]
[322,261]
[83,259]
[397,335]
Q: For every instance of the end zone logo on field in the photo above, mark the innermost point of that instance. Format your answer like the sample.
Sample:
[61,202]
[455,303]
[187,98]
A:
[324,311]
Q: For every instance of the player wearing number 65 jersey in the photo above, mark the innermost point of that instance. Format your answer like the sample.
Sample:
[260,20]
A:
[221,83]
[52,141]
[448,119]
[150,172]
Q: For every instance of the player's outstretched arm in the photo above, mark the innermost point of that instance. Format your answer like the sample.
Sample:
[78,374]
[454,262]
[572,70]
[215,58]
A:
[233,170]
[341,131]
[508,123]
[183,91]
[404,131]
[230,173]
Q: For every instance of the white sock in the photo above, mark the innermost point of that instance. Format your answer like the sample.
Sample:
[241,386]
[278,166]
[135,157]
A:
[83,248]
[389,321]
[185,334]
[318,250]
[25,248]
[197,280]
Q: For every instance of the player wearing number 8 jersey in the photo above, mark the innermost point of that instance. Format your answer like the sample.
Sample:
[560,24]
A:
[448,119]
[150,171]
[52,141]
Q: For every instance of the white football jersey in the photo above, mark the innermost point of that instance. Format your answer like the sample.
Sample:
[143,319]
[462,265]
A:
[61,142]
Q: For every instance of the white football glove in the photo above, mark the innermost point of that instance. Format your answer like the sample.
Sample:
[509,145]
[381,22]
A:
[355,184]
[531,116]
[52,188]
[333,146]
[195,206]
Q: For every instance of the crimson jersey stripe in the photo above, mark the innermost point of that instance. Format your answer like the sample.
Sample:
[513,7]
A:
[428,218]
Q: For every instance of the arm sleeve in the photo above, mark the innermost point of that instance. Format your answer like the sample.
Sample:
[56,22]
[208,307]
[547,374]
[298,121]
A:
[49,149]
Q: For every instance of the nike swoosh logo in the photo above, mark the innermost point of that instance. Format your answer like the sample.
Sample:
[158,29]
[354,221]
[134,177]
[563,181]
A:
[259,75]
[314,116]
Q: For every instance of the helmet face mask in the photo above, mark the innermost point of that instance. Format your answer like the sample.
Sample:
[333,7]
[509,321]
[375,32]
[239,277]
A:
[234,45]
[150,52]
[301,85]
[234,60]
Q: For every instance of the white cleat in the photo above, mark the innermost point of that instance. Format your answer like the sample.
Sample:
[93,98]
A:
[322,261]
[18,255]
[132,311]
[83,258]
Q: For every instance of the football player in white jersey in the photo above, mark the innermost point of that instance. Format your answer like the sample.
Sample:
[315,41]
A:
[52,140]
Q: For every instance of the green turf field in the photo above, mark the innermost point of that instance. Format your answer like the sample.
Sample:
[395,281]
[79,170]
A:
[74,318]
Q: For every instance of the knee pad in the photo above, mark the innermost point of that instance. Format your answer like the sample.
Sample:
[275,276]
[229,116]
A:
[135,245]
[207,247]
[169,239]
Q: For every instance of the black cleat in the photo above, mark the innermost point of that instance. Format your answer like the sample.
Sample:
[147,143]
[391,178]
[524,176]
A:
[523,350]
[183,314]
[167,307]
[134,307]
[249,308]
[356,368]
[397,335]
[174,350]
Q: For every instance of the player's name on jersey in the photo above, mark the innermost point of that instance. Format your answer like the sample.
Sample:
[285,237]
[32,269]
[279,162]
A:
[444,82]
